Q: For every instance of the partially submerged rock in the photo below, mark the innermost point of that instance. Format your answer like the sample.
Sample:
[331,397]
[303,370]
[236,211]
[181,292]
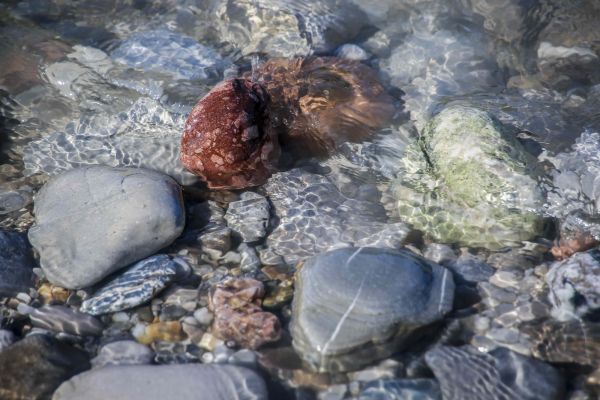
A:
[95,220]
[353,306]
[468,181]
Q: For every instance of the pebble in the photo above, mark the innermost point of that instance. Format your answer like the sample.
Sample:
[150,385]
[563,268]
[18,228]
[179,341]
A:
[353,306]
[401,389]
[574,286]
[238,316]
[250,261]
[35,366]
[65,319]
[94,220]
[249,217]
[16,263]
[351,52]
[136,285]
[159,382]
[51,293]
[466,374]
[169,331]
[203,316]
[124,352]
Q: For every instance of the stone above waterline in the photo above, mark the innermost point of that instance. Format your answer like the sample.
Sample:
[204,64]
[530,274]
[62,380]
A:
[92,221]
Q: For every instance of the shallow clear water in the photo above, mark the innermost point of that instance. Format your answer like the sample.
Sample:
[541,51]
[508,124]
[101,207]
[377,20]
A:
[111,82]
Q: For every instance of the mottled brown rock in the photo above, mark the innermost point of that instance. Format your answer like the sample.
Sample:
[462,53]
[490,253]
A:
[225,141]
[238,315]
[169,331]
[318,103]
[575,243]
[308,105]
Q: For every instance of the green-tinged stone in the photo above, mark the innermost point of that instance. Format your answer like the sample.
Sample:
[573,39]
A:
[466,180]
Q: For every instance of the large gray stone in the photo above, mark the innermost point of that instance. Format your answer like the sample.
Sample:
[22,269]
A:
[16,263]
[466,374]
[94,220]
[35,366]
[356,305]
[149,382]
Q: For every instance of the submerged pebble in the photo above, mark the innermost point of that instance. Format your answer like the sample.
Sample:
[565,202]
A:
[238,316]
[249,216]
[16,263]
[466,374]
[124,352]
[356,305]
[63,319]
[575,286]
[136,285]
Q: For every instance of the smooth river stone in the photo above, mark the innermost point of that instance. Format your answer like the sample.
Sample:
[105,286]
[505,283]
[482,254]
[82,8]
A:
[94,220]
[466,374]
[34,367]
[136,285]
[16,264]
[149,382]
[353,306]
[63,319]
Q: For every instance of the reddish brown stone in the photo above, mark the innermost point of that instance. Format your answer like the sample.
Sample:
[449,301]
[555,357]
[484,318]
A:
[308,105]
[238,315]
[225,141]
[567,246]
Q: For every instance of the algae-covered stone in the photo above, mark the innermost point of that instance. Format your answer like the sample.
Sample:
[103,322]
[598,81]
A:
[467,180]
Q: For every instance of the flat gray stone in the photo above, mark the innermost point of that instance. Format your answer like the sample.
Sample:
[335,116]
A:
[65,319]
[16,263]
[94,220]
[467,374]
[136,285]
[150,382]
[353,306]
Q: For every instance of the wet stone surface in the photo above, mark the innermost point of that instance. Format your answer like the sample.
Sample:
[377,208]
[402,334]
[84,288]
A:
[374,299]
[464,373]
[84,216]
[249,217]
[314,216]
[149,382]
[136,285]
[16,263]
[35,366]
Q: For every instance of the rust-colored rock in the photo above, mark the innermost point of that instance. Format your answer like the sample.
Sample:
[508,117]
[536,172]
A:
[575,243]
[169,331]
[308,105]
[225,141]
[236,304]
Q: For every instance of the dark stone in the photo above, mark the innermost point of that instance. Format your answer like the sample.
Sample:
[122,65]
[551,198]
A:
[401,389]
[16,264]
[35,366]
